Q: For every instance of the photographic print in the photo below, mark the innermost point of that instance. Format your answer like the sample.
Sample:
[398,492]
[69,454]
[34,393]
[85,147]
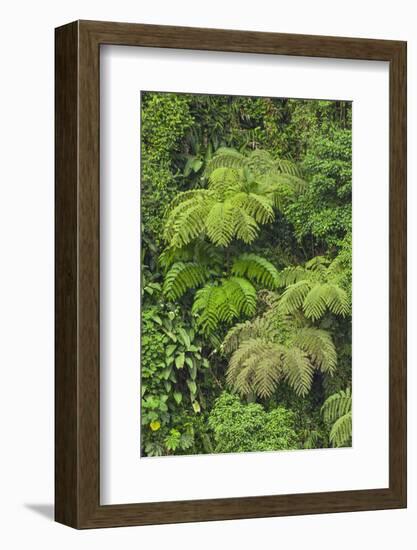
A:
[246,274]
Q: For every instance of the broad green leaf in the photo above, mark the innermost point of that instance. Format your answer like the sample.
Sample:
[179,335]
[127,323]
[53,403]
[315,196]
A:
[184,337]
[196,406]
[178,397]
[166,373]
[157,319]
[170,349]
[179,360]
[192,386]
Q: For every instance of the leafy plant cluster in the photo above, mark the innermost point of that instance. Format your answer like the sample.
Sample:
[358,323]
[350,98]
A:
[246,274]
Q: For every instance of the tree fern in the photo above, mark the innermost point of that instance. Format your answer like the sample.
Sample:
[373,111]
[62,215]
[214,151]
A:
[313,290]
[242,194]
[337,409]
[264,354]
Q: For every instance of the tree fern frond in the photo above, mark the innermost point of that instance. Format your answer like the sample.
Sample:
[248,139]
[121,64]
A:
[291,275]
[259,207]
[293,297]
[287,167]
[256,269]
[187,221]
[267,373]
[255,367]
[325,296]
[318,263]
[337,300]
[337,405]
[318,344]
[337,409]
[215,304]
[206,305]
[224,181]
[241,294]
[298,370]
[314,305]
[225,158]
[341,432]
[219,223]
[238,359]
[245,227]
[259,327]
[182,277]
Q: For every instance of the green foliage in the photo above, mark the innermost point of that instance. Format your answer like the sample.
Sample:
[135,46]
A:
[314,290]
[246,221]
[183,276]
[324,211]
[337,410]
[165,117]
[229,300]
[242,194]
[173,375]
[241,428]
[265,354]
[256,269]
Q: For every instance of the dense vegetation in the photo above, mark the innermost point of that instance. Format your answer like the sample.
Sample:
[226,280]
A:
[246,274]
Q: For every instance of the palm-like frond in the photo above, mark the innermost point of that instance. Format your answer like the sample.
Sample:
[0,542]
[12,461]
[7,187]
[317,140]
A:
[199,251]
[298,370]
[337,409]
[341,431]
[318,345]
[256,269]
[337,405]
[261,358]
[215,304]
[313,290]
[242,194]
[259,327]
[182,277]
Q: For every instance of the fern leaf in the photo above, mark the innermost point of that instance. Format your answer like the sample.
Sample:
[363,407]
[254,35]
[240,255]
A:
[183,276]
[219,224]
[267,373]
[291,275]
[298,370]
[241,294]
[259,207]
[319,346]
[259,327]
[293,297]
[225,158]
[224,181]
[256,269]
[341,431]
[337,405]
[245,227]
[315,303]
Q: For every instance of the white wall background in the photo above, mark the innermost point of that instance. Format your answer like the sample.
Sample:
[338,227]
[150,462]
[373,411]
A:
[26,272]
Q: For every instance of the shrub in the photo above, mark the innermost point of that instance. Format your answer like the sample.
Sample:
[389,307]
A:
[242,427]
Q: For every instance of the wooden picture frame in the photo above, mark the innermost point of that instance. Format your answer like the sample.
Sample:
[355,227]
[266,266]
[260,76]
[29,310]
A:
[77,383]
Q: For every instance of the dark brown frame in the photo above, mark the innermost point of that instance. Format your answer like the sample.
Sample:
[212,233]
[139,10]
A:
[77,404]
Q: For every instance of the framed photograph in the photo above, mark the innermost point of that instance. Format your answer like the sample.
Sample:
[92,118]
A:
[230,274]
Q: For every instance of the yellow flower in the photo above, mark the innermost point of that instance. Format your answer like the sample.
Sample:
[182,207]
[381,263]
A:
[155,425]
